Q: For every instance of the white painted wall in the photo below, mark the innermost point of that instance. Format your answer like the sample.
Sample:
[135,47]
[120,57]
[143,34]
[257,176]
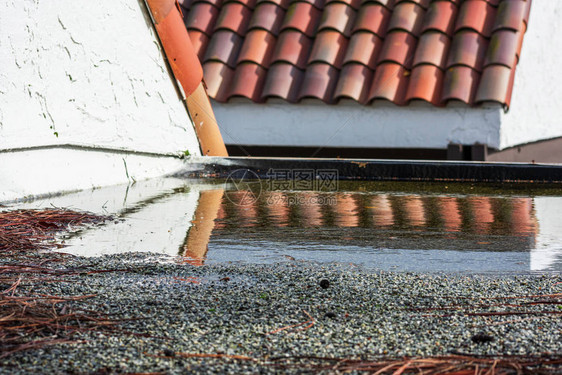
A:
[87,74]
[536,111]
[91,71]
[352,125]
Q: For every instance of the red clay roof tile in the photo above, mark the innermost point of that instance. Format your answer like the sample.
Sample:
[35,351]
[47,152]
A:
[511,14]
[407,16]
[495,85]
[316,3]
[303,17]
[399,47]
[339,17]
[224,46]
[425,84]
[467,48]
[299,52]
[202,17]
[477,15]
[283,81]
[433,47]
[248,81]
[292,47]
[460,83]
[440,16]
[390,83]
[218,77]
[234,17]
[355,4]
[267,16]
[199,41]
[257,47]
[319,82]
[282,3]
[329,47]
[374,18]
[248,3]
[354,82]
[503,48]
[364,48]
[387,3]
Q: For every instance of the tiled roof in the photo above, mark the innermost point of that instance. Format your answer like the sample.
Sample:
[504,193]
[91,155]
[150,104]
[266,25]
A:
[398,50]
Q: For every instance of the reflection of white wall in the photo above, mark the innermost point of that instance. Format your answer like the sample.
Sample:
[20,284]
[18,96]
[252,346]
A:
[548,250]
[152,216]
[85,74]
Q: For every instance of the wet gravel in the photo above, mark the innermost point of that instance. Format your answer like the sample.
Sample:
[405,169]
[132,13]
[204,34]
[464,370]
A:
[337,310]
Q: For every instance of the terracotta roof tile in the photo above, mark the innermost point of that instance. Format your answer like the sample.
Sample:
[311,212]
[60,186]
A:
[248,3]
[477,15]
[218,77]
[397,50]
[407,16]
[339,17]
[354,82]
[316,3]
[257,47]
[425,84]
[303,17]
[282,3]
[511,14]
[460,84]
[283,81]
[364,48]
[234,17]
[372,17]
[440,16]
[248,81]
[433,47]
[329,47]
[319,82]
[386,3]
[467,48]
[355,4]
[267,16]
[503,49]
[292,47]
[495,85]
[224,46]
[199,41]
[202,17]
[390,83]
[399,47]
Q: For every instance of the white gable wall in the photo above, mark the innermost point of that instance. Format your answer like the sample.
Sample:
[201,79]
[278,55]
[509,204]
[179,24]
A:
[536,108]
[84,73]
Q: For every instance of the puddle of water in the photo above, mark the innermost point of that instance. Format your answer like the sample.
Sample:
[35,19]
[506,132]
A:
[442,229]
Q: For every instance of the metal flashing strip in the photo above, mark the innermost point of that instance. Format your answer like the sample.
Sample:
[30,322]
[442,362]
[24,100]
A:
[377,170]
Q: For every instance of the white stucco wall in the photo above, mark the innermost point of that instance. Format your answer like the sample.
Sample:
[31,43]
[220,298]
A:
[351,125]
[536,110]
[90,72]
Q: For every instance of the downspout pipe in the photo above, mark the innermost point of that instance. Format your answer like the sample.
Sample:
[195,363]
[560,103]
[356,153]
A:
[188,71]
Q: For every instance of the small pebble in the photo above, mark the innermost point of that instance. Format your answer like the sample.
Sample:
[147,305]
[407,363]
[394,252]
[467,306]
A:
[324,284]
